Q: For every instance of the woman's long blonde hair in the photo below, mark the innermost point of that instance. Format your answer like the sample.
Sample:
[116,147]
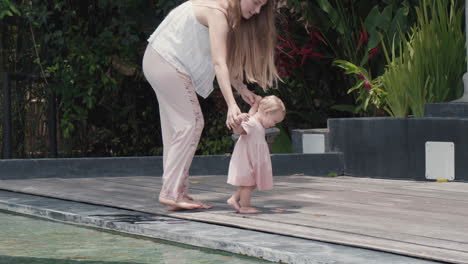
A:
[251,45]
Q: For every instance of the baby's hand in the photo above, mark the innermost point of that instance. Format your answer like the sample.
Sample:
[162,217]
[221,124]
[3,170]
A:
[242,117]
[258,98]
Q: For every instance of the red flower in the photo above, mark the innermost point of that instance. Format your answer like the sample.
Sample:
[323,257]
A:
[317,35]
[373,52]
[361,76]
[363,37]
[290,56]
[367,85]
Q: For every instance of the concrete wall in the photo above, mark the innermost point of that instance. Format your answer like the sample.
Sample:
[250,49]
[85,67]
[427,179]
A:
[283,164]
[446,110]
[395,147]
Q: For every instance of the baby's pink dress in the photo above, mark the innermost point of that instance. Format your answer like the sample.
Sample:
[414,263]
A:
[250,162]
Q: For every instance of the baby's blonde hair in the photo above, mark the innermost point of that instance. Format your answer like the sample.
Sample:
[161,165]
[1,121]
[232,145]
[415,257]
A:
[270,104]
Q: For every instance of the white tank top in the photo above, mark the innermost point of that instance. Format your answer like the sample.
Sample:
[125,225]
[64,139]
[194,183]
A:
[184,42]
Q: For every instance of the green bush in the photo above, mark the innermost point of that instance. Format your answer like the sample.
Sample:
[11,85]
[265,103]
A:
[89,53]
[432,60]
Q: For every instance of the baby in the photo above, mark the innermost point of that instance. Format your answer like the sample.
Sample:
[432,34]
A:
[250,166]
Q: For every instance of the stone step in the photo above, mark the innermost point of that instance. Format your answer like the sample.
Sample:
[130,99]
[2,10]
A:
[310,140]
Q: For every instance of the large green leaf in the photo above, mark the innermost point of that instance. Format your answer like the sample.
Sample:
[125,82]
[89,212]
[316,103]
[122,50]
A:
[334,15]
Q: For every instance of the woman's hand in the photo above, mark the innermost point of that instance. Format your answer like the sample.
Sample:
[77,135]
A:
[233,112]
[248,96]
[238,129]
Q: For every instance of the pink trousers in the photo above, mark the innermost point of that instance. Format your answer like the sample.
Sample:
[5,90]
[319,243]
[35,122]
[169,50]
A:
[181,122]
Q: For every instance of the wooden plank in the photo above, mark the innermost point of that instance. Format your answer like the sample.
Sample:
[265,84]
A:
[347,212]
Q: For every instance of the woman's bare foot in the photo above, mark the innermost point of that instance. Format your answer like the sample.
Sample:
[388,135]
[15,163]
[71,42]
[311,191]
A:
[183,204]
[202,205]
[174,208]
[248,210]
[235,204]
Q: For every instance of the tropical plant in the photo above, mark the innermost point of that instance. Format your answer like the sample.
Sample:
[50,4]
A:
[370,90]
[377,27]
[395,80]
[297,51]
[88,53]
[432,60]
[351,31]
[8,8]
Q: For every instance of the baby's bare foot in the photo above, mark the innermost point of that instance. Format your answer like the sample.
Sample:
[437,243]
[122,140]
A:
[232,202]
[248,210]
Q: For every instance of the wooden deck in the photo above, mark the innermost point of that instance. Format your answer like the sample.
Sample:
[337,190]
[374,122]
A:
[421,219]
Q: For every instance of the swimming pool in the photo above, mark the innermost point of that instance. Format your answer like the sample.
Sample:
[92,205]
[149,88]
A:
[25,239]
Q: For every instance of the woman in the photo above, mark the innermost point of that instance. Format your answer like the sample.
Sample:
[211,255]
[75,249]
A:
[197,41]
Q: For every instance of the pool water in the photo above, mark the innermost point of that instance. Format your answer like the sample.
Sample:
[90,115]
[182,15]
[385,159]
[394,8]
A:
[37,241]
